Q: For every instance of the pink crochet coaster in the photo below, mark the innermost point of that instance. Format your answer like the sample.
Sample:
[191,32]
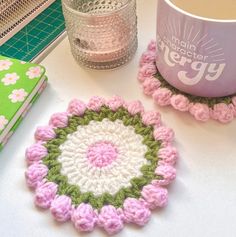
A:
[222,109]
[104,163]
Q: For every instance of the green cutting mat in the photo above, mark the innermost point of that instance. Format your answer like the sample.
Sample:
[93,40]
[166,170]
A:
[37,35]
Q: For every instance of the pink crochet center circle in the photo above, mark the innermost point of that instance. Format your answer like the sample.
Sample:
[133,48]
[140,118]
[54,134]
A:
[101,154]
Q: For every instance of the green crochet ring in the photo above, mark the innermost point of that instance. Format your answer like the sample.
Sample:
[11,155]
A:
[137,183]
[103,163]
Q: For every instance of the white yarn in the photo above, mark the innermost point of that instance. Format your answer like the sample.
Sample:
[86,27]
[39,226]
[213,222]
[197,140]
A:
[131,157]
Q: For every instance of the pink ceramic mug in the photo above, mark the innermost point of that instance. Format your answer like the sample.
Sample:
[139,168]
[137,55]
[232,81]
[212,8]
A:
[195,54]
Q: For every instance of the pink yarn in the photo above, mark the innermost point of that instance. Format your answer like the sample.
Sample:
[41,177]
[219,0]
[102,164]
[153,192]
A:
[35,153]
[151,118]
[44,133]
[223,113]
[61,208]
[95,103]
[167,172]
[200,111]
[59,120]
[234,100]
[135,107]
[76,107]
[163,134]
[152,46]
[146,71]
[150,85]
[102,154]
[162,96]
[110,220]
[168,155]
[233,109]
[136,212]
[155,196]
[45,194]
[147,57]
[84,218]
[35,174]
[115,103]
[180,102]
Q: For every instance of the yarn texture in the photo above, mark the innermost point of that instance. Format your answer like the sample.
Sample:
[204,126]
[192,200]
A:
[105,163]
[221,109]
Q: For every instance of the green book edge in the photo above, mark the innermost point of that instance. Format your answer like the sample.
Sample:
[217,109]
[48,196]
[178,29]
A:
[30,85]
[19,120]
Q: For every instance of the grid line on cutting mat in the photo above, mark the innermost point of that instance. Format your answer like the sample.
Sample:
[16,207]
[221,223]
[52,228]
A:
[37,35]
[15,14]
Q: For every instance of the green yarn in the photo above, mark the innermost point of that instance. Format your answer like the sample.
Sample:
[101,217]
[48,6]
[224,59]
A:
[137,183]
[195,99]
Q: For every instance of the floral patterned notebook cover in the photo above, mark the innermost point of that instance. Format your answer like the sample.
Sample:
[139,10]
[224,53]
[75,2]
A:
[20,85]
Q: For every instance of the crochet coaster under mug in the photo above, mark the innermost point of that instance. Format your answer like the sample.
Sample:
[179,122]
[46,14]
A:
[104,163]
[222,109]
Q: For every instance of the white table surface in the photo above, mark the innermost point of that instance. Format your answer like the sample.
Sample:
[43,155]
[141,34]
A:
[202,200]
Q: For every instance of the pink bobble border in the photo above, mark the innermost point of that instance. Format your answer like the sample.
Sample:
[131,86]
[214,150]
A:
[84,217]
[151,86]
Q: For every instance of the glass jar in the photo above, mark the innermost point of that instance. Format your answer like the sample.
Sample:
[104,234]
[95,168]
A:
[102,33]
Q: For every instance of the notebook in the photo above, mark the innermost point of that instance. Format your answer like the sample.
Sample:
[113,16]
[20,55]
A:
[21,83]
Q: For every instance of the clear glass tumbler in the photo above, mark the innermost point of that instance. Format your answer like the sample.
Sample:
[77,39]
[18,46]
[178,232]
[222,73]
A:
[102,33]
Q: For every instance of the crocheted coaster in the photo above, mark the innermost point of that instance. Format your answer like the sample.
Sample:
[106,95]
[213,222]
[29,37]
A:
[105,163]
[222,109]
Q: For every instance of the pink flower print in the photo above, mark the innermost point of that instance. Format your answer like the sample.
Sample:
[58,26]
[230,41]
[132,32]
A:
[10,79]
[5,64]
[34,72]
[3,122]
[18,95]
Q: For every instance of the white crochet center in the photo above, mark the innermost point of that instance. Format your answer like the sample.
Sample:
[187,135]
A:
[78,169]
